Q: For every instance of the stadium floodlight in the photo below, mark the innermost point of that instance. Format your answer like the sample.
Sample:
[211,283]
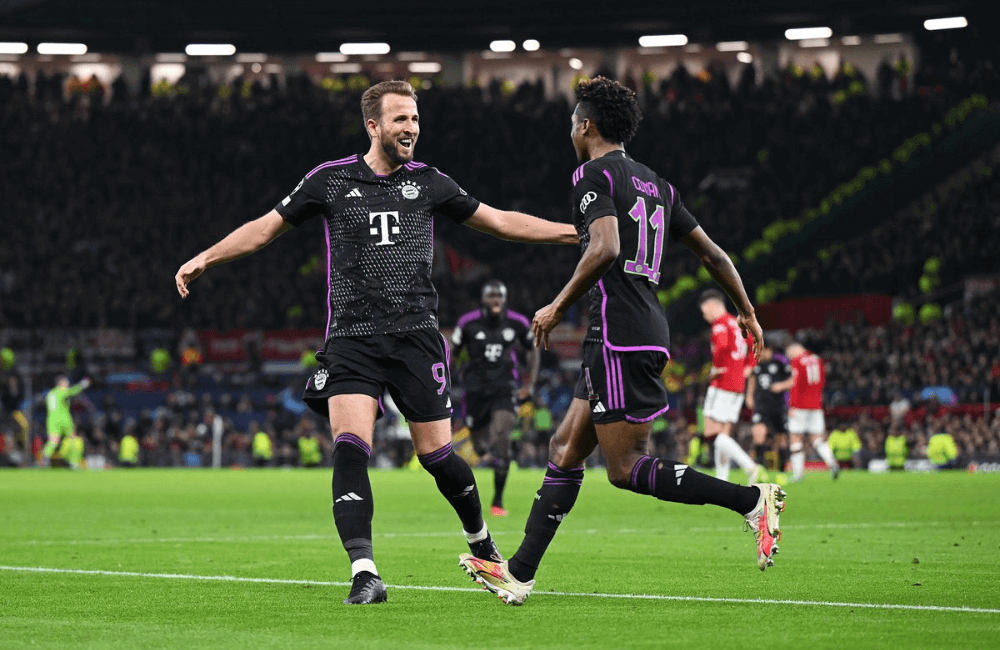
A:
[531,45]
[883,39]
[744,57]
[801,33]
[663,40]
[13,48]
[814,42]
[62,48]
[576,63]
[331,57]
[502,46]
[364,48]
[210,49]
[424,67]
[732,46]
[955,22]
[851,40]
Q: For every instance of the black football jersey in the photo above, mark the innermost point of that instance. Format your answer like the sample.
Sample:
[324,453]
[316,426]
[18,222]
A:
[492,365]
[625,313]
[380,241]
[768,373]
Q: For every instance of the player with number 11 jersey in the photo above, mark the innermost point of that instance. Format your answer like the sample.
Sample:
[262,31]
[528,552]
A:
[625,313]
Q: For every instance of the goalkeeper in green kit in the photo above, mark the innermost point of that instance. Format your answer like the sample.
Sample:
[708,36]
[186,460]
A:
[59,422]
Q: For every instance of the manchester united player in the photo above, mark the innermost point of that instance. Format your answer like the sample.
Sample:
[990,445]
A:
[625,213]
[805,409]
[490,334]
[382,327]
[724,397]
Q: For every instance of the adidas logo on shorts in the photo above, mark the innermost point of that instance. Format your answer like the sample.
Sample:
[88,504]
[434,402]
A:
[599,408]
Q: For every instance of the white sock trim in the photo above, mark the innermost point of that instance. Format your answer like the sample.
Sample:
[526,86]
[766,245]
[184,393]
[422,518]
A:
[357,566]
[476,537]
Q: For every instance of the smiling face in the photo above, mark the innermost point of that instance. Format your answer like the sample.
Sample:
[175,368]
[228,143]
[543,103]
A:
[397,128]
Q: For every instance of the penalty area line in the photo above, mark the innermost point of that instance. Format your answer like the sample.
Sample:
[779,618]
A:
[697,599]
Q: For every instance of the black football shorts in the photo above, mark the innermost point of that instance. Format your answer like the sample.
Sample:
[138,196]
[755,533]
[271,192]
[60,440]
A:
[622,385]
[413,366]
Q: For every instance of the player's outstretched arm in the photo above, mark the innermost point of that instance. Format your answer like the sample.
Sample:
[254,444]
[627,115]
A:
[601,253]
[517,226]
[721,268]
[248,238]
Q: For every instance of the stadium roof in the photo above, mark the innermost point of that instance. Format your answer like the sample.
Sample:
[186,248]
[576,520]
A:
[142,26]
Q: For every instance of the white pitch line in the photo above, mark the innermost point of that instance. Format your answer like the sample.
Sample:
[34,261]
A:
[498,533]
[698,599]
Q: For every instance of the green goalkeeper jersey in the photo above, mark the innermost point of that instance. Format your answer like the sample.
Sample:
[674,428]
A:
[57,402]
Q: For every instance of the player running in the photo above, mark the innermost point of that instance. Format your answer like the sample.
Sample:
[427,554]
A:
[623,212]
[724,396]
[805,409]
[382,327]
[490,334]
[59,420]
[767,401]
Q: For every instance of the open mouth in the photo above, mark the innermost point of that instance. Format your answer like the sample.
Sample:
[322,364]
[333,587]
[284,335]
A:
[406,142]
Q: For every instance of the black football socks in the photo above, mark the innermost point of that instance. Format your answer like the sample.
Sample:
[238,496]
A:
[352,500]
[553,501]
[456,482]
[669,480]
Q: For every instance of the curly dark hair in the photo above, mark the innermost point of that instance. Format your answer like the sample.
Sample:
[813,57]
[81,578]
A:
[611,106]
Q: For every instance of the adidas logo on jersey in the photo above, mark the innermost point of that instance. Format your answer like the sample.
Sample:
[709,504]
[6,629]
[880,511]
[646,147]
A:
[355,193]
[599,408]
[350,496]
[480,336]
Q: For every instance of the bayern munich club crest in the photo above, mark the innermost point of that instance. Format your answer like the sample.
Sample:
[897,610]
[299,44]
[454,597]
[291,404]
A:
[410,191]
[319,379]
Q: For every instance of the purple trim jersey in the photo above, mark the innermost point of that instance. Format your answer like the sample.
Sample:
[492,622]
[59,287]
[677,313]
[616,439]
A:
[492,366]
[379,241]
[625,313]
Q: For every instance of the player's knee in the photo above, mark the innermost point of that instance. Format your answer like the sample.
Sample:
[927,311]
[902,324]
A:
[620,472]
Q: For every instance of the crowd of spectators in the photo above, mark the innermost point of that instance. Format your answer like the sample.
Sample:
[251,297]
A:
[106,198]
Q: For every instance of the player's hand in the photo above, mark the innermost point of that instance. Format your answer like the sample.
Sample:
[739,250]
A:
[85,382]
[544,322]
[191,270]
[750,327]
[523,394]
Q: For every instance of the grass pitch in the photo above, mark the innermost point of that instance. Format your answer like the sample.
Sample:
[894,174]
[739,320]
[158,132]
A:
[251,559]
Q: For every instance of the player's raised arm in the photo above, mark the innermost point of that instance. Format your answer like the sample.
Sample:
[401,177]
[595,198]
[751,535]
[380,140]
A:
[517,226]
[601,253]
[721,268]
[248,238]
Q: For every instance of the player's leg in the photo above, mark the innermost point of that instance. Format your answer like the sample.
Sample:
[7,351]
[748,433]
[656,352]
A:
[571,444]
[817,427]
[724,413]
[420,384]
[56,428]
[758,433]
[797,453]
[501,423]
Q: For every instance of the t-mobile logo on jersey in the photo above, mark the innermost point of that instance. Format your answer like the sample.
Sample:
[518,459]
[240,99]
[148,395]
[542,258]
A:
[383,229]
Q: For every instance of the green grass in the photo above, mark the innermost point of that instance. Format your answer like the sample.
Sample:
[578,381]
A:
[900,539]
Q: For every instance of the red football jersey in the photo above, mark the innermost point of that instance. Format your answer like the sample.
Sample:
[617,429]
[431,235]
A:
[808,377]
[729,354]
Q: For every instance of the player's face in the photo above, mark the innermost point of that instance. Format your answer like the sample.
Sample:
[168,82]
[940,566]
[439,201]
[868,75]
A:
[494,302]
[398,128]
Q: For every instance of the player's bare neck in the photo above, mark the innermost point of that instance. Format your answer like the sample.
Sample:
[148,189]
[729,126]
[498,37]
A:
[602,148]
[379,163]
